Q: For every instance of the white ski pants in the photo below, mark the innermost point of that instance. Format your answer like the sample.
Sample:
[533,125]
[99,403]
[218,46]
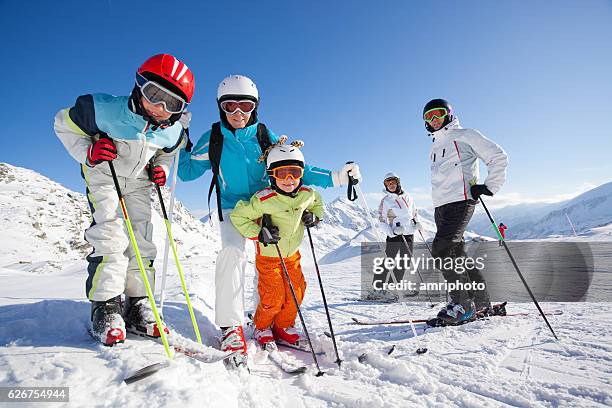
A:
[113,268]
[229,275]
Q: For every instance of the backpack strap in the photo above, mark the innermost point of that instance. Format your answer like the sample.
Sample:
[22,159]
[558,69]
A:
[215,148]
[214,156]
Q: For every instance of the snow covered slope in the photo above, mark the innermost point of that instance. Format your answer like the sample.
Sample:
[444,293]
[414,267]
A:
[589,212]
[42,223]
[509,361]
[346,227]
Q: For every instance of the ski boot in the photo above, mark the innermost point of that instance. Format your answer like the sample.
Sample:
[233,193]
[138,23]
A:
[457,313]
[107,325]
[233,340]
[263,337]
[140,318]
[494,310]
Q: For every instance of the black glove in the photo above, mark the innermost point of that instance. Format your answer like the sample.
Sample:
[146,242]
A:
[188,145]
[309,219]
[480,189]
[269,235]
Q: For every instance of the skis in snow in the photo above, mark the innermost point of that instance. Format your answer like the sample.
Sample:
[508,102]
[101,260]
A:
[181,345]
[282,361]
[496,310]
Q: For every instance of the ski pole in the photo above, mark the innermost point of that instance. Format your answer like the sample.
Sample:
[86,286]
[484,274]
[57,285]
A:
[331,329]
[430,253]
[420,349]
[266,221]
[351,193]
[518,271]
[162,296]
[431,304]
[143,274]
[178,263]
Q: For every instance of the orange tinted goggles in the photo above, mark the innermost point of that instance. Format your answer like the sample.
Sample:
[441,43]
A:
[284,172]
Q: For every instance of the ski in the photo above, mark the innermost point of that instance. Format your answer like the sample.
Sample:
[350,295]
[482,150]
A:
[181,345]
[188,348]
[281,361]
[298,347]
[497,310]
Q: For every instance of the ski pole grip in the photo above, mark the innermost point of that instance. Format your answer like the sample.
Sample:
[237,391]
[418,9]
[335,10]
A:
[351,193]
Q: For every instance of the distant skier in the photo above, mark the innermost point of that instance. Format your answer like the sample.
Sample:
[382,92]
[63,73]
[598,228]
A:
[399,219]
[291,206]
[502,231]
[454,180]
[133,132]
[231,149]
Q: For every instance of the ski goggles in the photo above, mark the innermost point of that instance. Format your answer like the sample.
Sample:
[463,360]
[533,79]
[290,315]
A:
[244,106]
[284,172]
[432,114]
[155,93]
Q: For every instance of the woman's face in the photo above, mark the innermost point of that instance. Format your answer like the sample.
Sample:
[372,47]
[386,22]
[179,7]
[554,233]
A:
[238,119]
[391,185]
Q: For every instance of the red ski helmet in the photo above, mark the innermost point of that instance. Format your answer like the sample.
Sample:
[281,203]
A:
[170,72]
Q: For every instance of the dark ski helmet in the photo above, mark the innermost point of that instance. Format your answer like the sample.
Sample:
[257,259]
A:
[439,103]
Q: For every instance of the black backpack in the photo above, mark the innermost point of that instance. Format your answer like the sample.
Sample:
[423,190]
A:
[215,148]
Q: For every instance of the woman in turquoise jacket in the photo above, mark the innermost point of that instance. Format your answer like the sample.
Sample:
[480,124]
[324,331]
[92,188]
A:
[240,174]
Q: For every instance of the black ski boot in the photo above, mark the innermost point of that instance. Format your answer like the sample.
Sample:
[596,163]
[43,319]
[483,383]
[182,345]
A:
[107,325]
[140,318]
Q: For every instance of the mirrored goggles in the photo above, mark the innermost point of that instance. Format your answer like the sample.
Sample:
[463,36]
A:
[432,114]
[155,93]
[284,172]
[244,106]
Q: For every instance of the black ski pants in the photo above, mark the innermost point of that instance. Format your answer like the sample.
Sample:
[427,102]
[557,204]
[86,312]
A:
[451,222]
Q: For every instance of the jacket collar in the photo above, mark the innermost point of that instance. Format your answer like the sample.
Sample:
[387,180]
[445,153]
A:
[441,133]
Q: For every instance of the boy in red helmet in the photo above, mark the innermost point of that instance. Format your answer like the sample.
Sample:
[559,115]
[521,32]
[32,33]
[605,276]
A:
[140,134]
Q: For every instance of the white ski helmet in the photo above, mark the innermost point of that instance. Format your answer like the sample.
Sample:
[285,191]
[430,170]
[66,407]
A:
[283,155]
[237,85]
[391,175]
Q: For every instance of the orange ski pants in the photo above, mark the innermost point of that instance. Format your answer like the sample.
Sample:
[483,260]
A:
[276,305]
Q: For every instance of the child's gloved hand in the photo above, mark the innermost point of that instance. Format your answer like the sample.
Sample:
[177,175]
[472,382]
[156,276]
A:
[269,235]
[309,219]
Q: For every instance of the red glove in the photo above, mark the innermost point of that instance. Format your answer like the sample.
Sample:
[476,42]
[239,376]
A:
[158,176]
[101,151]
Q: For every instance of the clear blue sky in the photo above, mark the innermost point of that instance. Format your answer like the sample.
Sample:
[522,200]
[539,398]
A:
[348,77]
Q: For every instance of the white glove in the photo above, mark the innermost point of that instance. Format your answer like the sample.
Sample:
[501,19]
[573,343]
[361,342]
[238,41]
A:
[340,177]
[418,225]
[398,229]
[185,119]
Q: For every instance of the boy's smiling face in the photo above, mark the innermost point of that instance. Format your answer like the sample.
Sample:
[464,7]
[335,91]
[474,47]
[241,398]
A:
[288,185]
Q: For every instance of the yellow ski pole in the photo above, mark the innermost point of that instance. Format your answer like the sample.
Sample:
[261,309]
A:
[143,274]
[178,264]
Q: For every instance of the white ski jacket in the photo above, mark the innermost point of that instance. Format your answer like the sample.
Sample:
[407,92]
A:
[396,208]
[454,163]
